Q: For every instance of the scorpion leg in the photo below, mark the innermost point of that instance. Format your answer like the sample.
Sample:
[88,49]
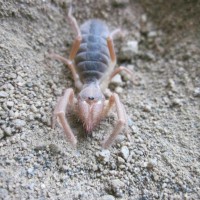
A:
[116,32]
[78,39]
[73,21]
[113,34]
[122,119]
[75,47]
[59,112]
[111,48]
[73,51]
[69,63]
[122,68]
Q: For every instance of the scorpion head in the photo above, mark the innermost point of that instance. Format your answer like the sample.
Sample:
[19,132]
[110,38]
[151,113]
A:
[90,105]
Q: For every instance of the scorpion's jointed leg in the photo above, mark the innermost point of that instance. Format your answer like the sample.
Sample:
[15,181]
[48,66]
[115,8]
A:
[69,63]
[117,32]
[73,22]
[121,68]
[121,119]
[111,49]
[75,47]
[73,51]
[59,112]
[110,44]
[78,39]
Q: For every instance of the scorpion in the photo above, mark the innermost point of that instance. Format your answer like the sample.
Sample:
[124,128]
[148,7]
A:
[92,60]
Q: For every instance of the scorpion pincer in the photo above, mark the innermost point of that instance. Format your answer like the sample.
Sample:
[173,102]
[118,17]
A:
[92,60]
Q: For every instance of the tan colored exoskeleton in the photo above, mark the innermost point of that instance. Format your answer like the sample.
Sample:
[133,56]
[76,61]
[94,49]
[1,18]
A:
[93,68]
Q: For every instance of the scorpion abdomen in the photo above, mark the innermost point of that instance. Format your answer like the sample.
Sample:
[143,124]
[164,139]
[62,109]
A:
[93,58]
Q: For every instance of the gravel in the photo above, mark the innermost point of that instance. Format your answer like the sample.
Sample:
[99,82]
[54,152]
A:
[107,197]
[129,50]
[125,152]
[19,124]
[196,92]
[3,94]
[104,155]
[117,187]
[159,160]
[117,80]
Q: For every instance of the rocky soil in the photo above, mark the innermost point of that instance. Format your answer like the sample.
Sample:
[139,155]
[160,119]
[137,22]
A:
[161,159]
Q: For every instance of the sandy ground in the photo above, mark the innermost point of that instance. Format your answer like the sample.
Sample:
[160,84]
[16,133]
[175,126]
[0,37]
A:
[161,161]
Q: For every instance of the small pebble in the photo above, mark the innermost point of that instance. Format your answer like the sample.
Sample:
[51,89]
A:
[138,152]
[152,34]
[24,145]
[117,80]
[104,155]
[148,56]
[164,185]
[122,166]
[151,164]
[124,152]
[34,109]
[1,134]
[4,194]
[131,67]
[196,92]
[130,122]
[120,138]
[129,50]
[135,129]
[30,171]
[120,3]
[7,131]
[54,149]
[107,197]
[64,168]
[117,186]
[43,186]
[144,18]
[95,167]
[118,90]
[3,94]
[10,104]
[176,102]
[19,124]
[147,108]
[120,160]
[172,85]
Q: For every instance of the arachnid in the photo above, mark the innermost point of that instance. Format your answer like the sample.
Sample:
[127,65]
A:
[92,60]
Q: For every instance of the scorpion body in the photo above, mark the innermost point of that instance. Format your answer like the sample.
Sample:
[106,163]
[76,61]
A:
[91,61]
[93,58]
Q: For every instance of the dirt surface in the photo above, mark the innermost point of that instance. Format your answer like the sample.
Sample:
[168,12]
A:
[161,161]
